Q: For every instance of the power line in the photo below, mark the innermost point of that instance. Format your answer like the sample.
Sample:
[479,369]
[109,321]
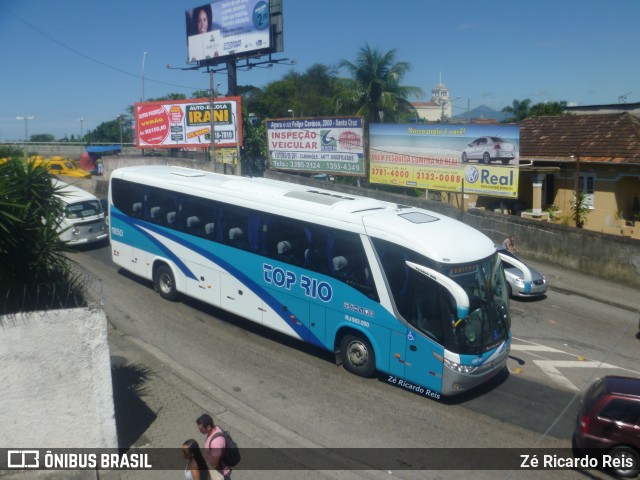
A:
[87,57]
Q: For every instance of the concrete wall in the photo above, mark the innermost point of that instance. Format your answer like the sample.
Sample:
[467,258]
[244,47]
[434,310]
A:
[55,374]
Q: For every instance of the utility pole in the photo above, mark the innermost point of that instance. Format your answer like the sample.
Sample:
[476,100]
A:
[212,123]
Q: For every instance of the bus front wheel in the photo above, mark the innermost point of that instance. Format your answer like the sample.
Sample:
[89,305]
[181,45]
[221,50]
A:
[165,283]
[357,355]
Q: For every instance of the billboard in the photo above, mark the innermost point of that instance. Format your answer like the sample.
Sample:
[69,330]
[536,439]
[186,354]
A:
[443,156]
[187,123]
[317,145]
[228,28]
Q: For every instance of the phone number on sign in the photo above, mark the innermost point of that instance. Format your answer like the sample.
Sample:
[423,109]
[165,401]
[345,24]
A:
[442,177]
[304,165]
[389,172]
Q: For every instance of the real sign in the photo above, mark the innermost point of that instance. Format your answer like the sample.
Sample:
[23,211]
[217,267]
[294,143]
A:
[443,156]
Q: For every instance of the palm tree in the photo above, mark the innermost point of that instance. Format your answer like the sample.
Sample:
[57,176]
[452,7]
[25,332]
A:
[375,91]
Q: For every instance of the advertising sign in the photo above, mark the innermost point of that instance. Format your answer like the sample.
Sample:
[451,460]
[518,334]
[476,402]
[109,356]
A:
[187,123]
[227,28]
[318,145]
[442,156]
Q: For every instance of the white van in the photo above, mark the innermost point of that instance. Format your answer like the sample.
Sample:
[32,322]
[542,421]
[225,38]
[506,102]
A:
[83,220]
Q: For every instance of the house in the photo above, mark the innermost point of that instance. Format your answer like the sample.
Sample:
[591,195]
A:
[597,153]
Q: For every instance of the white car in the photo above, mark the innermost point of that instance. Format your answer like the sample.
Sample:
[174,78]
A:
[523,281]
[488,149]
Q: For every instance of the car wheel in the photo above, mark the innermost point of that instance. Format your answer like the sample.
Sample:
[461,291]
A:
[577,451]
[628,460]
[505,161]
[464,157]
[486,158]
[165,283]
[357,355]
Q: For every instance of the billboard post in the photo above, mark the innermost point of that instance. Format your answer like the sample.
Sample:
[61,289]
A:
[212,102]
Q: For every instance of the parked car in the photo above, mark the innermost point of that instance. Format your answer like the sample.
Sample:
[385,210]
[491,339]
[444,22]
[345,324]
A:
[609,422]
[488,149]
[522,280]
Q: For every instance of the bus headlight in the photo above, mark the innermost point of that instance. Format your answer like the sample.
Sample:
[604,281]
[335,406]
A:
[75,231]
[459,368]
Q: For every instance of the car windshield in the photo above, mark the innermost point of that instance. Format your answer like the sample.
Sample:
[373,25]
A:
[88,208]
[431,309]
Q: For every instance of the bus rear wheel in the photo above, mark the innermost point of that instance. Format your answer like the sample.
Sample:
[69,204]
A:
[165,283]
[358,356]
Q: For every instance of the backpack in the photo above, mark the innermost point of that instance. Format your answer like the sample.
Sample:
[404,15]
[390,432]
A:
[231,454]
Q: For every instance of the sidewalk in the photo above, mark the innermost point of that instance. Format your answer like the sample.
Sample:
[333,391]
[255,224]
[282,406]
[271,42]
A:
[156,407]
[572,282]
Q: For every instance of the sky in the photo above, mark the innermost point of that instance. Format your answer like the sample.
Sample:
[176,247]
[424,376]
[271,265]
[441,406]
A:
[73,64]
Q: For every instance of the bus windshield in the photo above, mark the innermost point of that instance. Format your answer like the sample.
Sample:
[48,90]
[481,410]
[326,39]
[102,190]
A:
[431,308]
[488,322]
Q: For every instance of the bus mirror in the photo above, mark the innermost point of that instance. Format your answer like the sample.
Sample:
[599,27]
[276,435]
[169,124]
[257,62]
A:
[105,206]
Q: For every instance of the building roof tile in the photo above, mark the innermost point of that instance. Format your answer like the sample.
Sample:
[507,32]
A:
[606,138]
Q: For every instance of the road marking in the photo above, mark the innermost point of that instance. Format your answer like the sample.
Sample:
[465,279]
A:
[534,348]
[550,367]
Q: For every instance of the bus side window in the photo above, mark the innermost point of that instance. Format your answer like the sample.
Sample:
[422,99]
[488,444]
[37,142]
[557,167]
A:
[196,217]
[128,197]
[159,202]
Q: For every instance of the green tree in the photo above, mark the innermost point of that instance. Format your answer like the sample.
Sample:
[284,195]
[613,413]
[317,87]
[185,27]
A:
[375,90]
[42,137]
[34,273]
[579,210]
[307,94]
[547,109]
[519,110]
[112,131]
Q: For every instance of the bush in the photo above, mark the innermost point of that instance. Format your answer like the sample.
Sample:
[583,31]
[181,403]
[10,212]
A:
[33,269]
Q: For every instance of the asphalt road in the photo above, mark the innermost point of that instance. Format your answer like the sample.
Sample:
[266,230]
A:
[561,343]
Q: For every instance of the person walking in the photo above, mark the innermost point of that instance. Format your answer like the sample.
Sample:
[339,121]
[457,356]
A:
[196,468]
[214,445]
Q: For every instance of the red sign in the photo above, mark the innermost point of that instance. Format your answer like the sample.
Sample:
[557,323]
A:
[153,124]
[176,114]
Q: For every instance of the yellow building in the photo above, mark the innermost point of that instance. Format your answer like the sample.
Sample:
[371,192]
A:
[599,154]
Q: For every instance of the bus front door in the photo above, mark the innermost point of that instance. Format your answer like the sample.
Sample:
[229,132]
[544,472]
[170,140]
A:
[429,315]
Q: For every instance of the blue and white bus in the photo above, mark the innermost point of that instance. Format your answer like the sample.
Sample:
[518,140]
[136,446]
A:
[409,293]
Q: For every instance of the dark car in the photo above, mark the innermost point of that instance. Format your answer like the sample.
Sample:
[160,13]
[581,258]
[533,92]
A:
[609,424]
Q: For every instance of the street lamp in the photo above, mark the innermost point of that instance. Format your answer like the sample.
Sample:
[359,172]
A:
[144,57]
[26,129]
[120,121]
[81,120]
[291,112]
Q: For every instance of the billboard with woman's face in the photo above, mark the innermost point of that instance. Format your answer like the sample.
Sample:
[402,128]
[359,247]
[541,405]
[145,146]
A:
[228,28]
